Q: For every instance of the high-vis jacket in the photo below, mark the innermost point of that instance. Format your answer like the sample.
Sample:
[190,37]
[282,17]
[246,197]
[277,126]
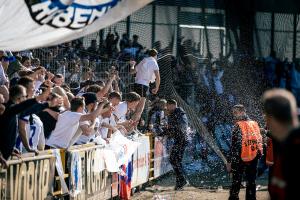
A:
[251,140]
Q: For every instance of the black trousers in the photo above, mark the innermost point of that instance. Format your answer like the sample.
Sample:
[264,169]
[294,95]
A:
[141,89]
[176,156]
[238,170]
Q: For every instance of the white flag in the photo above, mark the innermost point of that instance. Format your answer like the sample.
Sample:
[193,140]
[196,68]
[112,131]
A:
[27,24]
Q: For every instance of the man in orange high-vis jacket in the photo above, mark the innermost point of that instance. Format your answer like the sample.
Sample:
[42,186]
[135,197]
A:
[246,148]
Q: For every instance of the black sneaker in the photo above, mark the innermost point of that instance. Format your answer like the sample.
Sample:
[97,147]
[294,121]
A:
[181,185]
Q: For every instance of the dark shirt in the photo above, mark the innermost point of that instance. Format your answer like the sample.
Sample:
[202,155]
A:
[178,124]
[92,53]
[157,119]
[8,125]
[123,43]
[286,175]
[137,45]
[111,45]
[48,121]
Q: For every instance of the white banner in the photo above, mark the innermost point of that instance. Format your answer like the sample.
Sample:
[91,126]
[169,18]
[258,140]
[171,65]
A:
[27,24]
[118,151]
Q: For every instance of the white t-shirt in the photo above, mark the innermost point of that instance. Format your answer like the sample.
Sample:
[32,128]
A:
[74,77]
[27,53]
[103,131]
[35,133]
[81,92]
[83,139]
[120,112]
[37,85]
[65,129]
[145,71]
[3,77]
[132,51]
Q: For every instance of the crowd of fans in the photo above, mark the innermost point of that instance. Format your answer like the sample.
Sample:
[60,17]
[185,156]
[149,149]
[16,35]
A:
[76,62]
[283,74]
[278,131]
[42,109]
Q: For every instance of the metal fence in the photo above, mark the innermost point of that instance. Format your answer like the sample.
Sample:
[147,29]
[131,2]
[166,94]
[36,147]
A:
[158,26]
[76,69]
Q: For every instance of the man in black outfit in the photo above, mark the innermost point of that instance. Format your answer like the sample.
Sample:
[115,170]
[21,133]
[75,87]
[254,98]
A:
[17,104]
[176,129]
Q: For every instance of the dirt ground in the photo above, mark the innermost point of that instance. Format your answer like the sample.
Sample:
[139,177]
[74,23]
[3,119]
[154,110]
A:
[164,190]
[192,193]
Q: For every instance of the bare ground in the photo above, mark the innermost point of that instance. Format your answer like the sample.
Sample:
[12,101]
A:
[163,189]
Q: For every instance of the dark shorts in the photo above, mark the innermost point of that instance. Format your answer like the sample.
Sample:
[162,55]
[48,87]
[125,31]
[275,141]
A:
[48,147]
[141,89]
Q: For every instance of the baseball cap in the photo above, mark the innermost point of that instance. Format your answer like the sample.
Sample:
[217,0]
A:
[89,97]
[74,87]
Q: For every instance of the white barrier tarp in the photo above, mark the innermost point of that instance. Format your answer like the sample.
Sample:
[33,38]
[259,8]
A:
[27,24]
[161,157]
[100,165]
[141,159]
[60,171]
[76,178]
[118,152]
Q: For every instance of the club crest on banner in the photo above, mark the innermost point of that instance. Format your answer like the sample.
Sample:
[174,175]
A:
[72,14]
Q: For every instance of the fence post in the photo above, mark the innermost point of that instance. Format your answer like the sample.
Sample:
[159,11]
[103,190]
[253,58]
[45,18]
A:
[178,42]
[128,26]
[153,23]
[295,23]
[272,30]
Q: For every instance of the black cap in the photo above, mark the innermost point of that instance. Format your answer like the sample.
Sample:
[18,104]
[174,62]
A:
[74,87]
[89,97]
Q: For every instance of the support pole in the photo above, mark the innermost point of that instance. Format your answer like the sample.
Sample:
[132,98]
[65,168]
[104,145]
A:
[272,31]
[128,26]
[295,36]
[153,24]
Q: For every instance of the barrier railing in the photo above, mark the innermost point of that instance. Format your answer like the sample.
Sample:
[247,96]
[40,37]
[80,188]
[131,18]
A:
[29,177]
[95,181]
[81,167]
